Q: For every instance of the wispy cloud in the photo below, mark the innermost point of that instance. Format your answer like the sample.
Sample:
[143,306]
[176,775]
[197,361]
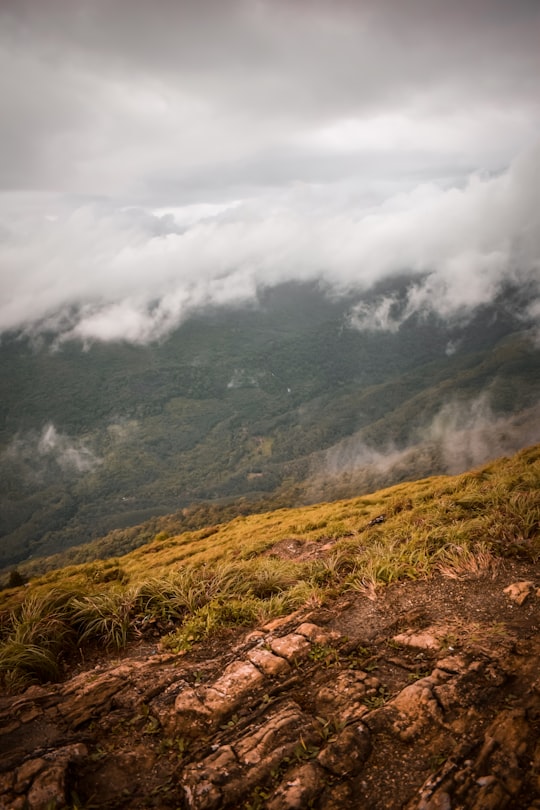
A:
[462,434]
[35,452]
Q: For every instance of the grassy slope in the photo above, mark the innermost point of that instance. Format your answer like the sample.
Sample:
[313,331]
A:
[193,584]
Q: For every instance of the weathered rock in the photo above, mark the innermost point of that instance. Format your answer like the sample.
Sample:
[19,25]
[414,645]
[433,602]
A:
[283,621]
[411,711]
[299,788]
[518,592]
[119,774]
[240,679]
[316,634]
[293,647]
[273,739]
[181,731]
[270,665]
[26,773]
[471,685]
[343,699]
[347,753]
[48,787]
[431,638]
[493,778]
[337,796]
[179,709]
[202,782]
[225,777]
[6,782]
[190,713]
[90,698]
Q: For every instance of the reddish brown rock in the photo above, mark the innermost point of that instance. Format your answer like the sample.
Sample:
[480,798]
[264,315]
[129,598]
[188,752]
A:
[346,754]
[299,788]
[269,664]
[293,647]
[518,592]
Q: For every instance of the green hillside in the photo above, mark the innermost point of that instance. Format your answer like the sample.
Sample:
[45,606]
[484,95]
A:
[236,404]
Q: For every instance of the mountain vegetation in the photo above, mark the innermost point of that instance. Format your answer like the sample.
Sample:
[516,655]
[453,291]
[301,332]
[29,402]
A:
[186,587]
[248,408]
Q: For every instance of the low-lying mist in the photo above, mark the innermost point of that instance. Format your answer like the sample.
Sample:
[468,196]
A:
[38,453]
[462,435]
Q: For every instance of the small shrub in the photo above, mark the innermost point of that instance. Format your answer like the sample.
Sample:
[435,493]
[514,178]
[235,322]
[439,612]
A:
[212,618]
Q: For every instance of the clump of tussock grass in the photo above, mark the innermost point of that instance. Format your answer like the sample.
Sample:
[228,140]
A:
[104,617]
[211,618]
[266,576]
[457,562]
[40,635]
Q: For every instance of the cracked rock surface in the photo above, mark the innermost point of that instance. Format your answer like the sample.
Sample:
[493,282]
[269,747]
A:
[427,698]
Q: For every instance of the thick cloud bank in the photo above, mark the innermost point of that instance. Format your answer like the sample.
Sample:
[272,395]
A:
[156,158]
[101,273]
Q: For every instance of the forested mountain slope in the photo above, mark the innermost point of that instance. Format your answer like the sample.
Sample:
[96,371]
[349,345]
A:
[251,403]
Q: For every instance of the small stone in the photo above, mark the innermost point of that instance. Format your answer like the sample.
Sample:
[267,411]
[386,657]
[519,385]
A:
[519,591]
[316,634]
[429,639]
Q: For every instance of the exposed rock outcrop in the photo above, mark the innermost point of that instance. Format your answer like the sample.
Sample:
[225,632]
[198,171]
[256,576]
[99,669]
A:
[425,699]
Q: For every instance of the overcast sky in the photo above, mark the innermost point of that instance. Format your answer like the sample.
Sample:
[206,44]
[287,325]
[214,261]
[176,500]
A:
[158,156]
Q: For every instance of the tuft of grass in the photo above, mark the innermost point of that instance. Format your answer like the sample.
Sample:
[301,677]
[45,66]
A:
[457,562]
[23,663]
[104,617]
[41,633]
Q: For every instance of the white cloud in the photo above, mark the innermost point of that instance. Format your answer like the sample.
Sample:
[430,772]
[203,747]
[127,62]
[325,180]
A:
[155,158]
[127,274]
